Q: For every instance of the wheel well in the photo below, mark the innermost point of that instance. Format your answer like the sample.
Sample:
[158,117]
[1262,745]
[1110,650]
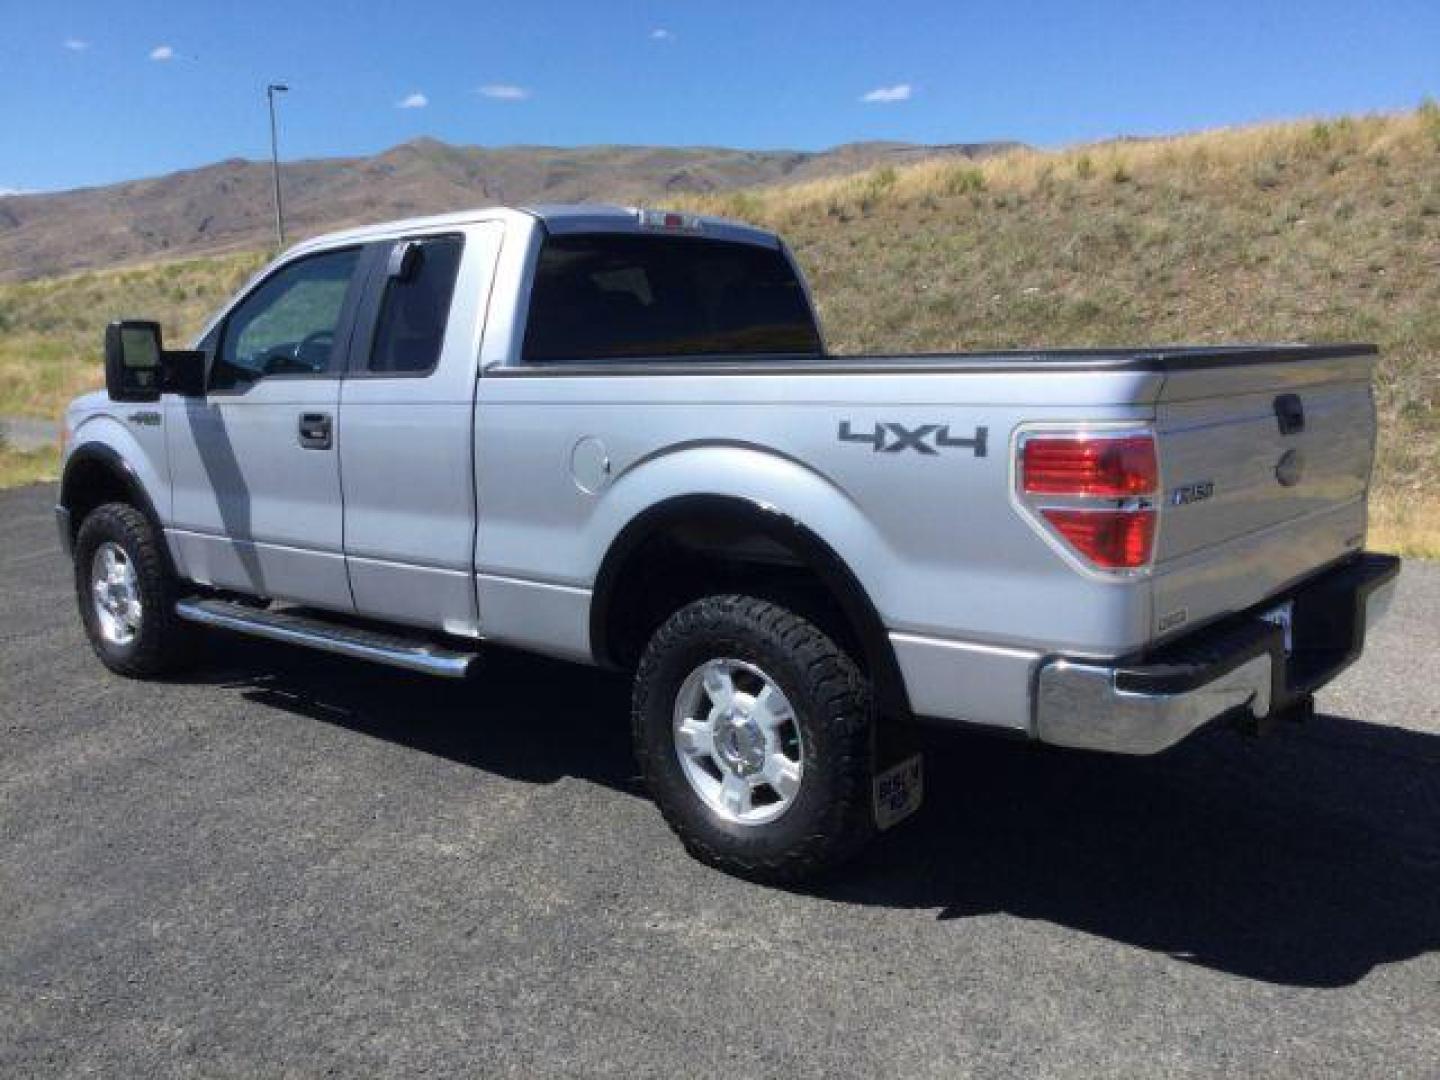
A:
[95,476]
[701,546]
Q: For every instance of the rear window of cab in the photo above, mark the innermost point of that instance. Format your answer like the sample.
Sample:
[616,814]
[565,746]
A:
[612,296]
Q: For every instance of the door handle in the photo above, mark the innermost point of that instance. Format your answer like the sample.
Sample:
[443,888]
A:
[316,431]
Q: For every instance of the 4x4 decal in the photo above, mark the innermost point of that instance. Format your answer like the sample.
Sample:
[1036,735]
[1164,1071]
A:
[925,439]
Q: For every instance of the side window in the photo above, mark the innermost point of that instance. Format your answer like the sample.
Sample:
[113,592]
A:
[410,328]
[287,325]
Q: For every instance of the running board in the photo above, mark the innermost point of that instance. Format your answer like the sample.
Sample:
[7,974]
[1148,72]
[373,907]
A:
[412,654]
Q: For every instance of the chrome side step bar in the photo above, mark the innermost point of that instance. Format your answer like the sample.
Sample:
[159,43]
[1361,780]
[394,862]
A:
[313,632]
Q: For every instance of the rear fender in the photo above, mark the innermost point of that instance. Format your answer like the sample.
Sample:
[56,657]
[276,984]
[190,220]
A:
[782,499]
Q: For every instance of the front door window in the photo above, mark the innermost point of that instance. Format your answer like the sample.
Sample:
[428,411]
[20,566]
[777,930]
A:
[286,327]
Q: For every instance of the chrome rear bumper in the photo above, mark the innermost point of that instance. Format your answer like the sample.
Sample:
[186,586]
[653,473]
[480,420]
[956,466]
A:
[1080,706]
[1240,667]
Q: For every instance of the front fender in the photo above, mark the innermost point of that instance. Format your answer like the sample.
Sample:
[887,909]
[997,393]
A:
[140,460]
[104,461]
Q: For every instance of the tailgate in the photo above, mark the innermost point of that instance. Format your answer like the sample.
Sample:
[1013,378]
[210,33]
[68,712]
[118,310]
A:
[1265,467]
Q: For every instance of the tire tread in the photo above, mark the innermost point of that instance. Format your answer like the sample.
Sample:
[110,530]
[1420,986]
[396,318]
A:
[165,643]
[838,693]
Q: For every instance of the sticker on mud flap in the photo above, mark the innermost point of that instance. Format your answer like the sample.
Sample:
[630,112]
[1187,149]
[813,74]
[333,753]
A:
[899,791]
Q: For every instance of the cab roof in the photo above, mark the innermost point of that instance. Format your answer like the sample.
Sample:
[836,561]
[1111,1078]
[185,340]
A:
[558,218]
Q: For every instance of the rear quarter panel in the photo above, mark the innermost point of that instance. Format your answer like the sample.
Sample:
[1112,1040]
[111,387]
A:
[932,538]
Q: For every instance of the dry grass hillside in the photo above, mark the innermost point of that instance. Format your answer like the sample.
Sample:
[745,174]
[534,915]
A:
[1304,231]
[1317,231]
[51,330]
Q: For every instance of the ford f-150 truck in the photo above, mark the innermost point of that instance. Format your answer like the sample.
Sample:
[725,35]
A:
[615,436]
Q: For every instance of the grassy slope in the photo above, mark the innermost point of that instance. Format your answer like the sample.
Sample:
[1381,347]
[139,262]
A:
[1315,231]
[51,330]
[50,335]
[27,466]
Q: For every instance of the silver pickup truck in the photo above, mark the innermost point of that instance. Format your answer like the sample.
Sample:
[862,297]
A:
[615,436]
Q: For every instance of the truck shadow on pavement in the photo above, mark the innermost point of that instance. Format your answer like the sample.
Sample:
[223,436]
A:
[1307,858]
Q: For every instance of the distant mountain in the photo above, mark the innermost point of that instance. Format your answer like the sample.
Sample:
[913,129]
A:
[228,205]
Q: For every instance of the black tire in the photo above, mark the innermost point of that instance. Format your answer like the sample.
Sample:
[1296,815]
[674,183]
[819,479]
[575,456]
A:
[830,817]
[162,643]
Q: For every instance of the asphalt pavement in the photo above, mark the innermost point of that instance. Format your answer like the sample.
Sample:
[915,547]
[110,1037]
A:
[290,864]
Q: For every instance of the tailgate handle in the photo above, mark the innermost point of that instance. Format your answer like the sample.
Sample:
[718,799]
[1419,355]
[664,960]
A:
[1290,411]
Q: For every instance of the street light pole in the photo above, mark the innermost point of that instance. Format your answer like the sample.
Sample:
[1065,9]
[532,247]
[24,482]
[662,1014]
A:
[270,92]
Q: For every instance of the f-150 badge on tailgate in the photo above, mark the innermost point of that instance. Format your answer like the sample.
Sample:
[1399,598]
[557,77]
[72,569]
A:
[925,439]
[1186,494]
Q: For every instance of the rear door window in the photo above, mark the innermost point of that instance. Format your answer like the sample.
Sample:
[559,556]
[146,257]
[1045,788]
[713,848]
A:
[602,296]
[415,307]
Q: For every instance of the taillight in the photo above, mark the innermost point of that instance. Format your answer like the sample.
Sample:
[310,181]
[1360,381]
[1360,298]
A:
[1093,491]
[1112,468]
[1111,539]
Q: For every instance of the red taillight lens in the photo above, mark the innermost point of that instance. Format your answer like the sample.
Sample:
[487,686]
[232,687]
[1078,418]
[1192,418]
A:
[1112,539]
[1093,491]
[1081,465]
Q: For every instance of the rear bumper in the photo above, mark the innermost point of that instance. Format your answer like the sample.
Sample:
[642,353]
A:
[1240,666]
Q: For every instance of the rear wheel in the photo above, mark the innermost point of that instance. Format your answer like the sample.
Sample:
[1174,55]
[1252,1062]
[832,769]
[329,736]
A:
[753,730]
[127,595]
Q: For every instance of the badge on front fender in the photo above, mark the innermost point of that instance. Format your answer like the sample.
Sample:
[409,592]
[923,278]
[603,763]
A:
[898,792]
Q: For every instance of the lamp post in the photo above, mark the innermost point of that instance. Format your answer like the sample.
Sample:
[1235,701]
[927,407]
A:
[270,91]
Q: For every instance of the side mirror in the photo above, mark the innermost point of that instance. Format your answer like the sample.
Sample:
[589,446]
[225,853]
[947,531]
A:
[137,367]
[132,360]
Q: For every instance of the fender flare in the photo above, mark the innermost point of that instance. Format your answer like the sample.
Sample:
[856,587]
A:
[100,455]
[817,555]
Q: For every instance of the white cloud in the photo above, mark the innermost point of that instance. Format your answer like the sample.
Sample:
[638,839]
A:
[13,191]
[413,101]
[504,92]
[162,52]
[888,95]
[661,34]
[75,44]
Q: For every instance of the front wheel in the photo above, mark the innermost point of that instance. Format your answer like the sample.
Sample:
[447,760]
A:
[127,595]
[753,731]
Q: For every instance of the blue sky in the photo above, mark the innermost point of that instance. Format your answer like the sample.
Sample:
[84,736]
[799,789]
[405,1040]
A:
[92,92]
